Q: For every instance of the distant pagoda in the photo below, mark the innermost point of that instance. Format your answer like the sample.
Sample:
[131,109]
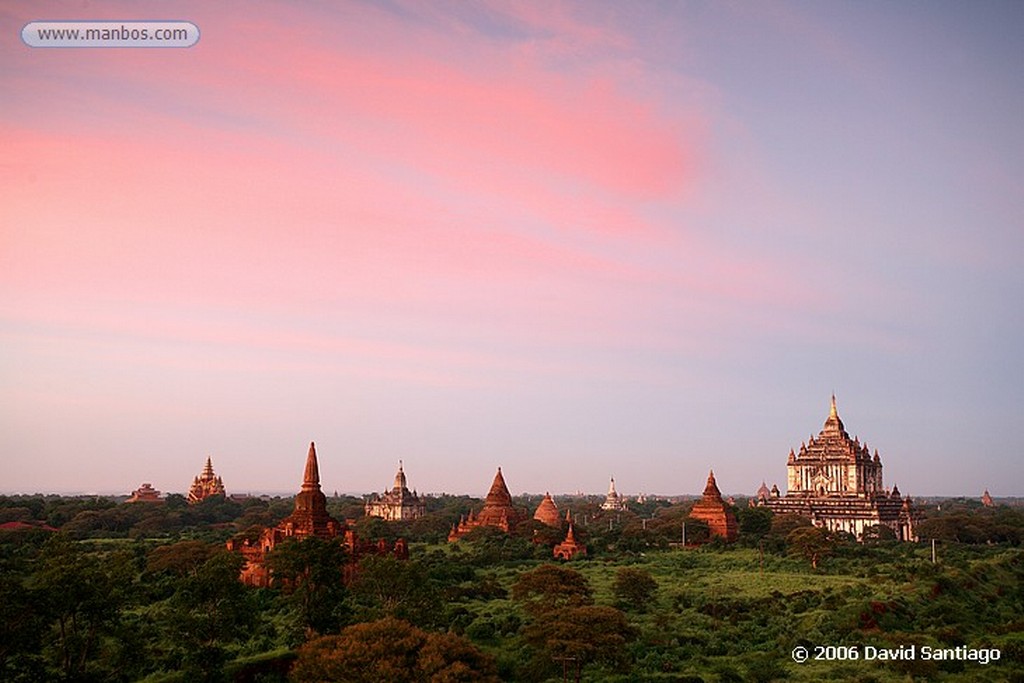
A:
[986,499]
[836,482]
[712,509]
[613,501]
[570,547]
[763,493]
[398,503]
[547,512]
[498,512]
[145,494]
[205,485]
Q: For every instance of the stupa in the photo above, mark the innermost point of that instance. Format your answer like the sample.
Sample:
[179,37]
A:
[712,509]
[498,512]
[613,501]
[570,547]
[547,512]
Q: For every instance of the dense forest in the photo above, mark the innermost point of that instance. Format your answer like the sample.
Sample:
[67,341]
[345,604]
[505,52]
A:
[94,589]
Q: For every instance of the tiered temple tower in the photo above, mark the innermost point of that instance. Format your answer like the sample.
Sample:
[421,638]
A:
[833,464]
[498,512]
[712,509]
[837,482]
[398,503]
[205,485]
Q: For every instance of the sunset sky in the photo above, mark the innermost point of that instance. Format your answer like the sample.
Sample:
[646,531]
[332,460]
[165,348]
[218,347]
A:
[576,240]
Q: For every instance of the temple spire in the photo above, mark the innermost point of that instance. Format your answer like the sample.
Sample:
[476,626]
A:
[400,482]
[498,495]
[711,487]
[311,477]
[832,412]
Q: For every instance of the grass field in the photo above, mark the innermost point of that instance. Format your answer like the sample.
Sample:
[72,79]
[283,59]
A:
[733,615]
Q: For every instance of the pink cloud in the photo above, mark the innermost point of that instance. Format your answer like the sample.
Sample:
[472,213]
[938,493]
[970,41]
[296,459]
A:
[506,202]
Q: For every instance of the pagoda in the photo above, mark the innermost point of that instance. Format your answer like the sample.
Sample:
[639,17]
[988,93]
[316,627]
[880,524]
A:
[763,492]
[309,518]
[547,512]
[145,494]
[712,509]
[613,501]
[837,482]
[986,499]
[570,547]
[497,512]
[206,485]
[398,503]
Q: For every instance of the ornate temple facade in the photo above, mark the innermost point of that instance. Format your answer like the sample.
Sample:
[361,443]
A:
[712,509]
[837,482]
[397,504]
[547,512]
[498,512]
[309,518]
[207,484]
[613,501]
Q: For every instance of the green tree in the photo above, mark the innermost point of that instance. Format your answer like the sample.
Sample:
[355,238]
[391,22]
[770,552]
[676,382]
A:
[81,595]
[783,525]
[811,543]
[311,572]
[400,589]
[586,634]
[754,522]
[395,651]
[181,559]
[550,587]
[21,625]
[209,610]
[634,587]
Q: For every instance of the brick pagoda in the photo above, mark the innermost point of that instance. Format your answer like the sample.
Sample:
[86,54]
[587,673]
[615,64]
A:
[712,509]
[497,512]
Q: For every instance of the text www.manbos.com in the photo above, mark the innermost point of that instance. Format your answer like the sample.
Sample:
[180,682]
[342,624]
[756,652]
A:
[110,34]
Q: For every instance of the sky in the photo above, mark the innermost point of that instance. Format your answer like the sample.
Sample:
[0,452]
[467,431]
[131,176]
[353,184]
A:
[574,240]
